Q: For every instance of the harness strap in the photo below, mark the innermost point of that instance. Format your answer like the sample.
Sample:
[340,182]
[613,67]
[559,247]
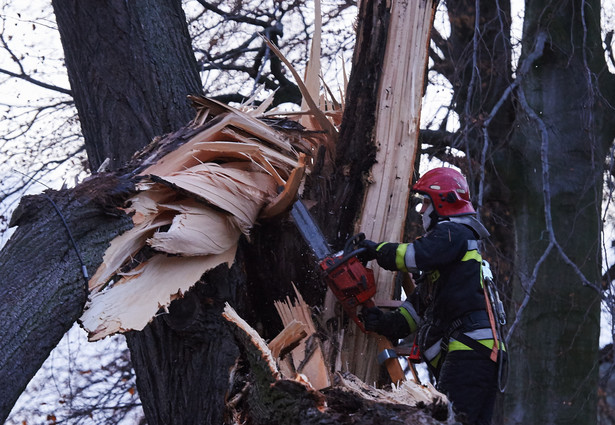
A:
[494,352]
[472,343]
[474,254]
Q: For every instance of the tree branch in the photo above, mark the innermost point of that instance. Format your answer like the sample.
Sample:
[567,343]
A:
[233,16]
[36,82]
[23,75]
[523,70]
[608,277]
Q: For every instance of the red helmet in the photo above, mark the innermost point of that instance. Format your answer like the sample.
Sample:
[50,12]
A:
[448,191]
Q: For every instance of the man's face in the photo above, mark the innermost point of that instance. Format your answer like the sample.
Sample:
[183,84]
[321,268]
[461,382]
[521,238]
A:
[426,203]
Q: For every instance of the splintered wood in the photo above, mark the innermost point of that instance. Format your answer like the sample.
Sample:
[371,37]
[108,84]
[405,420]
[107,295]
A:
[192,206]
[272,360]
[259,353]
[307,356]
[197,200]
[408,392]
[384,210]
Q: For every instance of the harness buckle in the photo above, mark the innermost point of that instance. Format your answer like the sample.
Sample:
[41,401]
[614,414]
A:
[386,354]
[444,345]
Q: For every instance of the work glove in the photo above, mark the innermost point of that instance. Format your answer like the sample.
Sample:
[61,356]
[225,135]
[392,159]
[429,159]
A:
[392,325]
[371,318]
[385,253]
[370,250]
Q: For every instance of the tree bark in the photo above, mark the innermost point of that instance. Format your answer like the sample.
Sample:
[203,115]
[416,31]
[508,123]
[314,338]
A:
[184,358]
[42,284]
[555,172]
[132,61]
[131,67]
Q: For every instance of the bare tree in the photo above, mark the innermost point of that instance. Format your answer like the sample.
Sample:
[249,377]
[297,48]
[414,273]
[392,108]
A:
[82,383]
[40,135]
[541,137]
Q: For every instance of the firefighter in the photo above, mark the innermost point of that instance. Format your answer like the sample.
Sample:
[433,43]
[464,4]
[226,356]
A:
[448,310]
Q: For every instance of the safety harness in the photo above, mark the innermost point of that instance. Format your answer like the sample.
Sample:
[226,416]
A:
[486,340]
[485,336]
[473,254]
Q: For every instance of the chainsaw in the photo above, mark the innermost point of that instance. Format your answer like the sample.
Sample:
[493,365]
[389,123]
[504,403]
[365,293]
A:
[350,281]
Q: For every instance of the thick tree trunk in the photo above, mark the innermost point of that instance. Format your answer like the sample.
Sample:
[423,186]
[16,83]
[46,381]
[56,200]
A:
[184,358]
[559,147]
[42,284]
[130,60]
[131,67]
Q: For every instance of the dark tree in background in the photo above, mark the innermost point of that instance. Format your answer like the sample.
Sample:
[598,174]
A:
[536,146]
[561,139]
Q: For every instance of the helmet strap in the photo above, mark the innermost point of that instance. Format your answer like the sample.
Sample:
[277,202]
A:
[430,218]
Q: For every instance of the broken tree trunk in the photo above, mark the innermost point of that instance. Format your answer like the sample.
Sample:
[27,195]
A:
[398,90]
[193,203]
[183,357]
[198,191]
[265,396]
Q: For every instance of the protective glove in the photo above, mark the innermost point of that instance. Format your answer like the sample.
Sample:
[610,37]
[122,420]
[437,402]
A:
[391,325]
[370,250]
[371,317]
[385,253]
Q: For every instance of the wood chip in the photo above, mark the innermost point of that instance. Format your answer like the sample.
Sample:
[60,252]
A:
[290,336]
[308,358]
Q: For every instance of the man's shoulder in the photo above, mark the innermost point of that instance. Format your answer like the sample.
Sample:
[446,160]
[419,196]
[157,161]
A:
[457,228]
[449,234]
[447,225]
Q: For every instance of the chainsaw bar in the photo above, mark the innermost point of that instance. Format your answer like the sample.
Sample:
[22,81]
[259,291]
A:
[310,231]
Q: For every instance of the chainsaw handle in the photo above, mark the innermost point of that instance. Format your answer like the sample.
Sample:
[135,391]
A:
[351,249]
[347,256]
[353,242]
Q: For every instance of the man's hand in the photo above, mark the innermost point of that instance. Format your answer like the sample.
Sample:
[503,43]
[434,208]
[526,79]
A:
[371,318]
[384,252]
[393,325]
[369,253]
